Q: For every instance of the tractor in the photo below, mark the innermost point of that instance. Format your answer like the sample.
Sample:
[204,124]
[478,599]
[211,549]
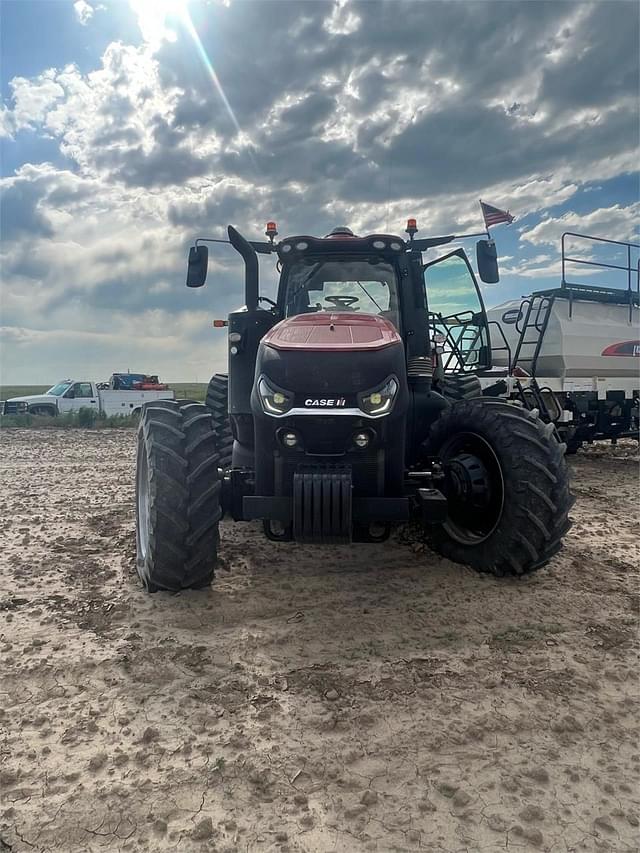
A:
[352,405]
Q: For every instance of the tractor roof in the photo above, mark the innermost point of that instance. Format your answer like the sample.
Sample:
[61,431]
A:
[340,240]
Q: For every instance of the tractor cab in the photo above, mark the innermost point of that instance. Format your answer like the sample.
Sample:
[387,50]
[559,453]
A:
[436,306]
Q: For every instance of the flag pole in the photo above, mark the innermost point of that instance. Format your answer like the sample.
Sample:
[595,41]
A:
[487,232]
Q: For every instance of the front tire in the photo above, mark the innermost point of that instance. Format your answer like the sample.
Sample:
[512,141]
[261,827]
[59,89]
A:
[177,496]
[43,411]
[507,487]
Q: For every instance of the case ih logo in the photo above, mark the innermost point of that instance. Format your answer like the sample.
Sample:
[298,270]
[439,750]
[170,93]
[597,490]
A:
[324,402]
[625,348]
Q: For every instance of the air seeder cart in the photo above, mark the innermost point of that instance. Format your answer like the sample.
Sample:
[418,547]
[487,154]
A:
[573,352]
[352,404]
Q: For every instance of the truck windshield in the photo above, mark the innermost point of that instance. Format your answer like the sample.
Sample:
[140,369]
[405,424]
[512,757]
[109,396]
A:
[366,285]
[59,389]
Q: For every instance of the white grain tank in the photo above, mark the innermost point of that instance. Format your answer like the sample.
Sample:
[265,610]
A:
[587,335]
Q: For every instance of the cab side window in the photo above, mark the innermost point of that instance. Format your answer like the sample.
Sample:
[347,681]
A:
[82,389]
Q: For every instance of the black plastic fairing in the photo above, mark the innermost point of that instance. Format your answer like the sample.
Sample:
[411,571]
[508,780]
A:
[326,435]
[251,326]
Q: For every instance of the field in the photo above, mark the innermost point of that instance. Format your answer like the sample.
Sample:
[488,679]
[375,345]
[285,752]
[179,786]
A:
[192,390]
[8,391]
[365,698]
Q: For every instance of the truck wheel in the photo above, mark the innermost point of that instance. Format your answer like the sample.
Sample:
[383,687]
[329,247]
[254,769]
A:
[460,387]
[217,401]
[573,446]
[43,411]
[177,496]
[507,487]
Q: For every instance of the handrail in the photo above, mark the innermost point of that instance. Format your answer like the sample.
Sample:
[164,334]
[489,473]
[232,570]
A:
[629,269]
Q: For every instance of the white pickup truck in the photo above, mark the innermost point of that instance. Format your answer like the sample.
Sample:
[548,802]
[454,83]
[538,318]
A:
[71,396]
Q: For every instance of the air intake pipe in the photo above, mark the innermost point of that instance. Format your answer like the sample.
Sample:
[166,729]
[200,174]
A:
[250,267]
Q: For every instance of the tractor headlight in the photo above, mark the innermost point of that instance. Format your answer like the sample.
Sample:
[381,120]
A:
[274,401]
[379,401]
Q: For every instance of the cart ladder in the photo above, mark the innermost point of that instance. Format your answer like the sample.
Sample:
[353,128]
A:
[532,325]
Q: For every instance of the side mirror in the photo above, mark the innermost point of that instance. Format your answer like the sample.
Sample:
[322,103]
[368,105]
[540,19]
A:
[70,394]
[487,259]
[197,269]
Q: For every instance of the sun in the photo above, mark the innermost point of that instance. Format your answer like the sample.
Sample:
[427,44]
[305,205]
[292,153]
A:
[156,17]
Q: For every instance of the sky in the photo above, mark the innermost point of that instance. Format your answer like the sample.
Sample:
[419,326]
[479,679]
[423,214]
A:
[130,128]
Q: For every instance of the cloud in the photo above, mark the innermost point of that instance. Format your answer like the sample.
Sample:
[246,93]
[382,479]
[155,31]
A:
[342,21]
[33,99]
[356,117]
[21,212]
[84,11]
[603,222]
[357,113]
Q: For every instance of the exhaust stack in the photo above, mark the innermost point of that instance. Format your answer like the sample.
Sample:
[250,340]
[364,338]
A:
[244,248]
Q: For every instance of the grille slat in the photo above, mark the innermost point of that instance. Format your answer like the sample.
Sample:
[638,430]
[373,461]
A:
[364,470]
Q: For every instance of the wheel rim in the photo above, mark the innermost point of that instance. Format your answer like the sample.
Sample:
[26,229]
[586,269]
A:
[474,487]
[142,492]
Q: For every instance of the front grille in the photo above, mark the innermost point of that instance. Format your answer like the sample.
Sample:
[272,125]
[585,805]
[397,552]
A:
[326,435]
[10,409]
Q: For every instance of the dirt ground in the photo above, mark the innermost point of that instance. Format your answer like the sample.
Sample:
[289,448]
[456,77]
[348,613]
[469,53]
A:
[344,699]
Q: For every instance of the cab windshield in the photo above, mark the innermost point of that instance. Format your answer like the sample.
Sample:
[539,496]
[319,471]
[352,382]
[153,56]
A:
[364,285]
[59,389]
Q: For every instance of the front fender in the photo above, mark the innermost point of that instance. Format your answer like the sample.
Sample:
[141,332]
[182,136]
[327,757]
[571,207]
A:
[49,409]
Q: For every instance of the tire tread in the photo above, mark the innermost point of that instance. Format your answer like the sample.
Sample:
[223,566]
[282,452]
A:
[537,498]
[184,495]
[217,401]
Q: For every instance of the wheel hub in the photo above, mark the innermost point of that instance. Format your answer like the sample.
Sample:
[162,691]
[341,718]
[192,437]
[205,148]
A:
[474,488]
[470,481]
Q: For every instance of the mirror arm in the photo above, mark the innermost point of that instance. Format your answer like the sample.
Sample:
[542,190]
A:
[210,240]
[468,236]
[261,247]
[424,243]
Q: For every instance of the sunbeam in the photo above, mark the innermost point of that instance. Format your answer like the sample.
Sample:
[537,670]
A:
[185,17]
[153,17]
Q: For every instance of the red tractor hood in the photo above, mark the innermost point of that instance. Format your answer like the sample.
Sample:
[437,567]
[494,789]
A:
[338,332]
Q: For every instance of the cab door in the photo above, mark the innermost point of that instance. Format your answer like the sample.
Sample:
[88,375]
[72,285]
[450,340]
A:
[80,396]
[457,317]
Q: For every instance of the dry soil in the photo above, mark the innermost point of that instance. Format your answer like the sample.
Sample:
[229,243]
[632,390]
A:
[339,699]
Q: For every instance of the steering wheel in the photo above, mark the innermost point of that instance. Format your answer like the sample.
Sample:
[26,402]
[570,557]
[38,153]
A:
[342,301]
[266,299]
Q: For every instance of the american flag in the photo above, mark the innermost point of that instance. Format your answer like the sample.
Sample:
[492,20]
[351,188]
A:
[493,215]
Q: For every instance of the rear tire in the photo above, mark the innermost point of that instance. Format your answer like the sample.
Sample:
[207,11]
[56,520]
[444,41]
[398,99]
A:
[507,487]
[177,496]
[217,401]
[460,387]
